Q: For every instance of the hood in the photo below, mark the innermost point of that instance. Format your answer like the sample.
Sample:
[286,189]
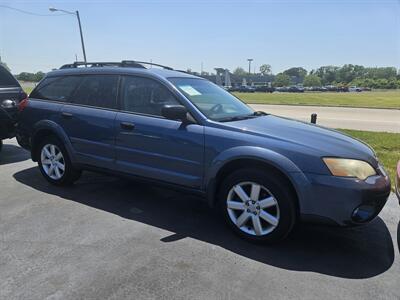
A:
[320,140]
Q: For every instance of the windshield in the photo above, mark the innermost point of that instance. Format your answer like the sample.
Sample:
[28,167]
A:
[214,102]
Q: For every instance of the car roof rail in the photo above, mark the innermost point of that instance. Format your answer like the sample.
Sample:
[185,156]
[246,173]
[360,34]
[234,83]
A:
[128,63]
[124,63]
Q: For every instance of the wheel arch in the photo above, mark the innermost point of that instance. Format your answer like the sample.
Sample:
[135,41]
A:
[47,128]
[258,158]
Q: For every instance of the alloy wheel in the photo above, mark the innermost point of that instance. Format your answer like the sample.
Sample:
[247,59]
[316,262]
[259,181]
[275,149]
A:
[253,208]
[53,162]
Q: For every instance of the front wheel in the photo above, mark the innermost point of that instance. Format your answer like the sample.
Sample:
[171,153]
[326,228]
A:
[258,205]
[54,163]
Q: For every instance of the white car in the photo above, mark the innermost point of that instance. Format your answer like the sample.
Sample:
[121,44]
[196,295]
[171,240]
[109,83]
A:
[355,89]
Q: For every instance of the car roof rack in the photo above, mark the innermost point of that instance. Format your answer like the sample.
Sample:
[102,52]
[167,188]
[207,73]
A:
[124,63]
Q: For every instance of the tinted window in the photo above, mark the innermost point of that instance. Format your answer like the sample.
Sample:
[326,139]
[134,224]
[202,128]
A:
[97,90]
[56,88]
[146,96]
[6,79]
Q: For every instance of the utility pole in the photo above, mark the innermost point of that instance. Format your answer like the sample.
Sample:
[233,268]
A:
[249,60]
[80,30]
[76,13]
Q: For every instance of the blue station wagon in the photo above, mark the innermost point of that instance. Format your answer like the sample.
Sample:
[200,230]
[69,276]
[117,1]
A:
[264,172]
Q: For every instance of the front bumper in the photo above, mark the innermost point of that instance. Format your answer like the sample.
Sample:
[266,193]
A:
[344,201]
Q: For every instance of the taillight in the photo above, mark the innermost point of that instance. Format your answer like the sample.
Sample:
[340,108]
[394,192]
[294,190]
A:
[22,104]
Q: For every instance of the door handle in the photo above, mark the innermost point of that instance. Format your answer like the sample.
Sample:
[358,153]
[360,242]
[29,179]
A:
[127,125]
[66,115]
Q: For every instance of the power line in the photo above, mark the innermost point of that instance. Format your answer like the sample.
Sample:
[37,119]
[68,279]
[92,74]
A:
[31,13]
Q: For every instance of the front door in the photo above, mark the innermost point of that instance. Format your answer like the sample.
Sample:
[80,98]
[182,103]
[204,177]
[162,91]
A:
[151,146]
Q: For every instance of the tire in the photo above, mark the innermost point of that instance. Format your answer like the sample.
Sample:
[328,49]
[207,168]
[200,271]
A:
[49,159]
[1,145]
[274,207]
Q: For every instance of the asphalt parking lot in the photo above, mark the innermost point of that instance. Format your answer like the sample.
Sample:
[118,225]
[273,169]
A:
[107,238]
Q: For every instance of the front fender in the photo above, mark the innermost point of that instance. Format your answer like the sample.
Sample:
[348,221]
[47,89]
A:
[280,162]
[55,129]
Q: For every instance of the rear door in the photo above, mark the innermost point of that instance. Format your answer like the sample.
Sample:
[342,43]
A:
[46,101]
[149,145]
[88,119]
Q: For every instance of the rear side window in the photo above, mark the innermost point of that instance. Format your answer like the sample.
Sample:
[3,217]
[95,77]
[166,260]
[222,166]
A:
[146,96]
[6,79]
[56,88]
[97,90]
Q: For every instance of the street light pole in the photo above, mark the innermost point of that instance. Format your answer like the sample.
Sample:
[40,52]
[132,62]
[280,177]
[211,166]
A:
[80,30]
[249,60]
[76,13]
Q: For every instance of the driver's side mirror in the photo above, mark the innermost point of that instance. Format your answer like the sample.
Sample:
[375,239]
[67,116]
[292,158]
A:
[175,112]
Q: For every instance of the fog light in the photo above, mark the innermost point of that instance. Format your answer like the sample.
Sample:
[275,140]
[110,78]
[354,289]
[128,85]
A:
[363,213]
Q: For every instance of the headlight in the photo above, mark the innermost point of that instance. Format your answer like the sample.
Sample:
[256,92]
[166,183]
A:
[349,167]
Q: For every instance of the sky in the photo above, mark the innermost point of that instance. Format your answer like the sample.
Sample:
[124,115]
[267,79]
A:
[189,34]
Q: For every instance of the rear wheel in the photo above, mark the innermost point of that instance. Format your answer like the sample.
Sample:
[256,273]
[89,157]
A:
[257,205]
[55,164]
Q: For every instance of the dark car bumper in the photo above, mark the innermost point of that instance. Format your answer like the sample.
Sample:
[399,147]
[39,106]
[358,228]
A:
[8,119]
[345,201]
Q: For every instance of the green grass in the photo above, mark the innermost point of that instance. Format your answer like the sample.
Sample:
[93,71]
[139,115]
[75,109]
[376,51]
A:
[28,90]
[375,99]
[385,144]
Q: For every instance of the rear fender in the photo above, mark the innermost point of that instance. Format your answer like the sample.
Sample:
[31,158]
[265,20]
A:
[56,130]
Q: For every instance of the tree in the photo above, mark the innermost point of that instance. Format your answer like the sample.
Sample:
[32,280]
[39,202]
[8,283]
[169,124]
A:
[35,77]
[265,69]
[296,72]
[384,72]
[282,80]
[240,72]
[349,72]
[328,74]
[312,80]
[38,76]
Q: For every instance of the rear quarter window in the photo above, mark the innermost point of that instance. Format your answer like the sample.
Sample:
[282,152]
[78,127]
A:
[56,88]
[6,79]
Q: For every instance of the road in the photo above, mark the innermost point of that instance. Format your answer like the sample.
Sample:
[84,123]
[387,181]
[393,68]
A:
[340,117]
[108,238]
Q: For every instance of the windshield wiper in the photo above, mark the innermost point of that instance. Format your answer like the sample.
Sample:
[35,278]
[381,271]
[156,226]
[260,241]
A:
[243,117]
[236,118]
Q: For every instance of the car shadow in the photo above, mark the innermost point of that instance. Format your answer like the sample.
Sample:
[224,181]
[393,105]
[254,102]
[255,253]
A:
[360,252]
[11,154]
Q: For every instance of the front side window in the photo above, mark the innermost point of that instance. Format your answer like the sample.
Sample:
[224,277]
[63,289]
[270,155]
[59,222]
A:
[214,102]
[145,96]
[56,88]
[97,91]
